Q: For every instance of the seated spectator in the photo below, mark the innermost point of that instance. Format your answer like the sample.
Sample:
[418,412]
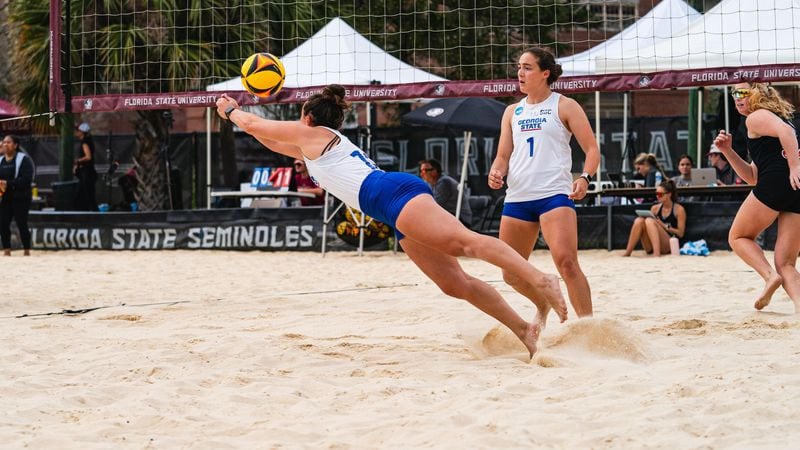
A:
[684,177]
[129,183]
[305,183]
[647,166]
[445,189]
[669,222]
[725,173]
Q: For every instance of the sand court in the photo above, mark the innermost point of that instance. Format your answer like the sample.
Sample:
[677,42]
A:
[207,349]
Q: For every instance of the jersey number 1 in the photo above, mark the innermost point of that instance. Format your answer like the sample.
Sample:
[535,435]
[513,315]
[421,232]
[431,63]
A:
[359,155]
[530,141]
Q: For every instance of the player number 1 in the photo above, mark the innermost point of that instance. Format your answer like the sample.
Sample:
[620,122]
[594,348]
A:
[359,155]
[530,141]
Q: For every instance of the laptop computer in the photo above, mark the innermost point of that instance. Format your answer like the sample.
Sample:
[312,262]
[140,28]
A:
[645,213]
[706,176]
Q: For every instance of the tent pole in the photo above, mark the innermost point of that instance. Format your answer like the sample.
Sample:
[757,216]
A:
[699,125]
[325,223]
[363,219]
[208,158]
[597,133]
[624,167]
[467,142]
[727,115]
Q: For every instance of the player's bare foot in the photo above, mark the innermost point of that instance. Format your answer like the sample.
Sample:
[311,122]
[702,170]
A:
[541,316]
[549,288]
[772,284]
[531,337]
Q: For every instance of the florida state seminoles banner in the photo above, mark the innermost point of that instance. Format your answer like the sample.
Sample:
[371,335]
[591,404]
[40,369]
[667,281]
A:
[223,229]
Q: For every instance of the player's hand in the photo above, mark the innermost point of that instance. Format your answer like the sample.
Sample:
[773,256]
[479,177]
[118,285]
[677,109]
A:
[495,179]
[794,177]
[579,188]
[223,102]
[723,141]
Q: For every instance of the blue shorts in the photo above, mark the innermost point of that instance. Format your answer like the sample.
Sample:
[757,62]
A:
[530,211]
[384,194]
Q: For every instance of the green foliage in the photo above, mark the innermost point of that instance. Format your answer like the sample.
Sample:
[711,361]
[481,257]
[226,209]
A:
[166,49]
[29,29]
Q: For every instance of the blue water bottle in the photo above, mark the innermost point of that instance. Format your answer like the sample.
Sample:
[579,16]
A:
[658,177]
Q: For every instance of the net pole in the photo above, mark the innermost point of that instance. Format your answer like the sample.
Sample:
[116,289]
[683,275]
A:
[66,152]
[55,55]
[208,158]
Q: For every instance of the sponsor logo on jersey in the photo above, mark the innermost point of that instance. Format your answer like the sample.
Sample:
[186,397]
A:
[546,112]
[531,124]
[518,111]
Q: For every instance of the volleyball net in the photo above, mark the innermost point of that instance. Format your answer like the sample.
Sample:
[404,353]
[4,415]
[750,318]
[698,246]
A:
[118,55]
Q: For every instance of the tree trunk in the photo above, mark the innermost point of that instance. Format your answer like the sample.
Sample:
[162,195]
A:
[152,133]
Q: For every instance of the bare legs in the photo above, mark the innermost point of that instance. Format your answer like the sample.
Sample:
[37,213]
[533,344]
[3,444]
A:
[521,236]
[445,271]
[434,239]
[753,218]
[787,246]
[637,234]
[560,230]
[652,235]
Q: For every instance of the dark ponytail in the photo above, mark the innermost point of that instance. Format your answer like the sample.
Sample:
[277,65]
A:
[672,190]
[327,107]
[546,61]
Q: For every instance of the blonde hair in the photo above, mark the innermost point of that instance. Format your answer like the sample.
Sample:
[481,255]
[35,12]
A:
[642,158]
[767,97]
[651,160]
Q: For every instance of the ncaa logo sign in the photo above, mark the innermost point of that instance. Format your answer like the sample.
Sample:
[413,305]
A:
[518,111]
[434,112]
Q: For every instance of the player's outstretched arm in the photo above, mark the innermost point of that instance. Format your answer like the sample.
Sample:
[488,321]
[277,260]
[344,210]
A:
[282,148]
[283,135]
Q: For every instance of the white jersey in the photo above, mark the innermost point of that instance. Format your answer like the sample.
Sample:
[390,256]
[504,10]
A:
[341,170]
[541,161]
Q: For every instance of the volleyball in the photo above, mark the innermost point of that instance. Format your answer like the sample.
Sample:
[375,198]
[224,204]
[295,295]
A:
[263,74]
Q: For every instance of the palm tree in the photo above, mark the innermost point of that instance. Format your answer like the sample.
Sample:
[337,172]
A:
[122,48]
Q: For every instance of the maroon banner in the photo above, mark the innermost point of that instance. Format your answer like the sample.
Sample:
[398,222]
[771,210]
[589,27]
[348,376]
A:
[496,88]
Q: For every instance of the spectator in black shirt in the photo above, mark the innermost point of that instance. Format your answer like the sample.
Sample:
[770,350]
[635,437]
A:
[725,174]
[85,171]
[16,177]
[445,189]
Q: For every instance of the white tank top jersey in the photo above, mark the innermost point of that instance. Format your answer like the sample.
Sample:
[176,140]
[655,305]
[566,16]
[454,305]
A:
[341,170]
[541,161]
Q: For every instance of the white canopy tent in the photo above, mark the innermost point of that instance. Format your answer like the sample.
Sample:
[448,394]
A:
[665,20]
[734,33]
[338,54]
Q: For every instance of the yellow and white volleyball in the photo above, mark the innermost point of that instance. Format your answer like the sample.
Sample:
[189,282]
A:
[263,74]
